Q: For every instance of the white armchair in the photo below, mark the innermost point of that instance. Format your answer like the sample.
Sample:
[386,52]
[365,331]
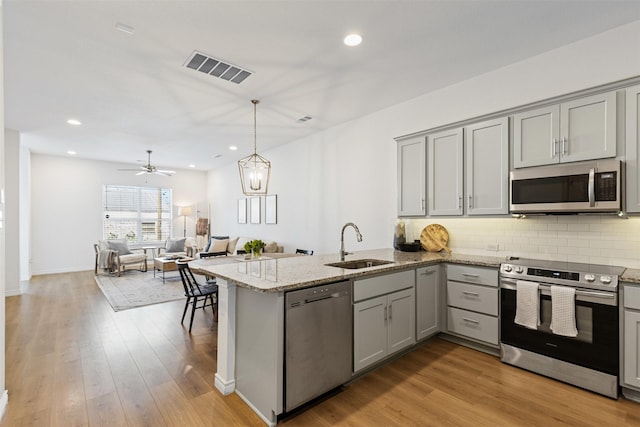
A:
[115,255]
[183,246]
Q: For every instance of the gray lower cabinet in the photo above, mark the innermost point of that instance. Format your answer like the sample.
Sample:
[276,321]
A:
[427,301]
[383,317]
[472,303]
[631,334]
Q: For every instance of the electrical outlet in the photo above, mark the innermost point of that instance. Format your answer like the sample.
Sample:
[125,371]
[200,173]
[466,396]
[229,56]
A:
[493,247]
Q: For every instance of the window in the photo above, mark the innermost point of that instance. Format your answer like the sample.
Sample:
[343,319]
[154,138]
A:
[138,214]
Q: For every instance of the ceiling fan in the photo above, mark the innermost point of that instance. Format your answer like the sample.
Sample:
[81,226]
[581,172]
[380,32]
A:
[149,168]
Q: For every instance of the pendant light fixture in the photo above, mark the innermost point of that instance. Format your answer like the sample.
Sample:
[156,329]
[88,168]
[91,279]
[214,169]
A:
[255,170]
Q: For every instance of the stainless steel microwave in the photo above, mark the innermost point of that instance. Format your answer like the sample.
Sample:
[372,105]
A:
[582,187]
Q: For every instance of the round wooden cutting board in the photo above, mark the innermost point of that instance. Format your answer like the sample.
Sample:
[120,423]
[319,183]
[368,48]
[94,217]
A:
[434,238]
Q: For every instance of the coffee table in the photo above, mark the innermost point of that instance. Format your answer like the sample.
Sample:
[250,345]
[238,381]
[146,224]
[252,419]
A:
[165,264]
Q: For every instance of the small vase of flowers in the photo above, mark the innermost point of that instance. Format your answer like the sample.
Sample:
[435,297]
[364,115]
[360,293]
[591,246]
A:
[254,247]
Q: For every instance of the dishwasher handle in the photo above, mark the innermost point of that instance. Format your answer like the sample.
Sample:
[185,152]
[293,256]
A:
[325,296]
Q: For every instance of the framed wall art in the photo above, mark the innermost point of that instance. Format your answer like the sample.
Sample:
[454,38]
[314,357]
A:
[255,210]
[242,211]
[271,209]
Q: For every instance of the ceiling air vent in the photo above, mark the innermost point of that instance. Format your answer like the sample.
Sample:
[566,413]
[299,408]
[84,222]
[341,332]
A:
[216,67]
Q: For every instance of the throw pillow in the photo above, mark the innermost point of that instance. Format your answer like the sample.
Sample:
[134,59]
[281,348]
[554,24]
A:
[120,246]
[218,245]
[210,242]
[270,247]
[175,245]
[232,245]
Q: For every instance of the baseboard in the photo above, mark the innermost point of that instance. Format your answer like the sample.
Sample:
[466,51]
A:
[4,401]
[266,420]
[631,394]
[226,388]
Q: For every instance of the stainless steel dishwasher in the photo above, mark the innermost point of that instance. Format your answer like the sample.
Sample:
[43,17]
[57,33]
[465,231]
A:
[318,341]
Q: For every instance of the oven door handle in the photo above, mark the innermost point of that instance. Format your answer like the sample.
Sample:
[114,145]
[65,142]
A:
[607,298]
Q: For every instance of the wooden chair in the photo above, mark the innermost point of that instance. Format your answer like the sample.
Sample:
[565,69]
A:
[304,251]
[196,293]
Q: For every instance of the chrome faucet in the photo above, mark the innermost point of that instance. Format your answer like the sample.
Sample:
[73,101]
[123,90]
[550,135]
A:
[344,253]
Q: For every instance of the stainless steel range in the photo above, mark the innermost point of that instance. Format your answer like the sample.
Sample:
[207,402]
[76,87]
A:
[590,359]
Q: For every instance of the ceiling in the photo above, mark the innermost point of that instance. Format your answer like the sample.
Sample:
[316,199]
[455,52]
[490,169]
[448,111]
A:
[132,92]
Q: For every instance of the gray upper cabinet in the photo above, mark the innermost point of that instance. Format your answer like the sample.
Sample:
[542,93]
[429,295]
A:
[582,129]
[469,169]
[412,177]
[445,172]
[535,134]
[632,160]
[487,167]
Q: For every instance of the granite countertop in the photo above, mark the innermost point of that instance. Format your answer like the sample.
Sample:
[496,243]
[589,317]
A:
[630,275]
[284,274]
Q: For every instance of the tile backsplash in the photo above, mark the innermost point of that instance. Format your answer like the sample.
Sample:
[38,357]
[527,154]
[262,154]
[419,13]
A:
[595,239]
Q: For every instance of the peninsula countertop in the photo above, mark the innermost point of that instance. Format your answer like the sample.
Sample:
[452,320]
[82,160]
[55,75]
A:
[279,274]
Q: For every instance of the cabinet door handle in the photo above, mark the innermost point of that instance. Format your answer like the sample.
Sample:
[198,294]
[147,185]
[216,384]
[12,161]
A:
[390,312]
[564,144]
[460,202]
[422,204]
[471,275]
[427,272]
[470,202]
[473,294]
[553,147]
[385,315]
[475,322]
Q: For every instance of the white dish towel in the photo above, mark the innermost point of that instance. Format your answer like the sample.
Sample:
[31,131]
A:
[527,306]
[563,311]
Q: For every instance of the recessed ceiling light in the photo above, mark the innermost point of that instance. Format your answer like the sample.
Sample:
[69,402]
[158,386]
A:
[233,148]
[71,153]
[192,166]
[353,39]
[74,122]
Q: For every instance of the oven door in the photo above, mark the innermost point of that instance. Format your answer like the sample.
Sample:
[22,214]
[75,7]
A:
[595,347]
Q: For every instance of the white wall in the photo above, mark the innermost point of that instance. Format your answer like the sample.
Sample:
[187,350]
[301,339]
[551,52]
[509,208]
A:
[12,211]
[348,173]
[66,207]
[25,214]
[3,391]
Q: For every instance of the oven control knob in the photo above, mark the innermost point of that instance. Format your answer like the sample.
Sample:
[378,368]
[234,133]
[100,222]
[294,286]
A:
[589,277]
[605,279]
[519,270]
[507,268]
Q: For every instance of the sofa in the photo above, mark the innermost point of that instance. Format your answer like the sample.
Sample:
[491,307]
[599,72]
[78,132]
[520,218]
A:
[230,245]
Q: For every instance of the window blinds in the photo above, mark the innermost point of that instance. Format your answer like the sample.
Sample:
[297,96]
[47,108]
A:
[138,214]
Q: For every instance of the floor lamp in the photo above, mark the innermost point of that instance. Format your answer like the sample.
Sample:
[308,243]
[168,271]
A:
[185,211]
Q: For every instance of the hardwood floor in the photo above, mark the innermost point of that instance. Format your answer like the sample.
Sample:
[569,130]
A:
[72,361]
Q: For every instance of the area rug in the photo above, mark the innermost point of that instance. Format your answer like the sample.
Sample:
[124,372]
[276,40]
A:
[137,289]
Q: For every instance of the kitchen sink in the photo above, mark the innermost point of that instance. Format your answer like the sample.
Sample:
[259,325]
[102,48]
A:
[359,263]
